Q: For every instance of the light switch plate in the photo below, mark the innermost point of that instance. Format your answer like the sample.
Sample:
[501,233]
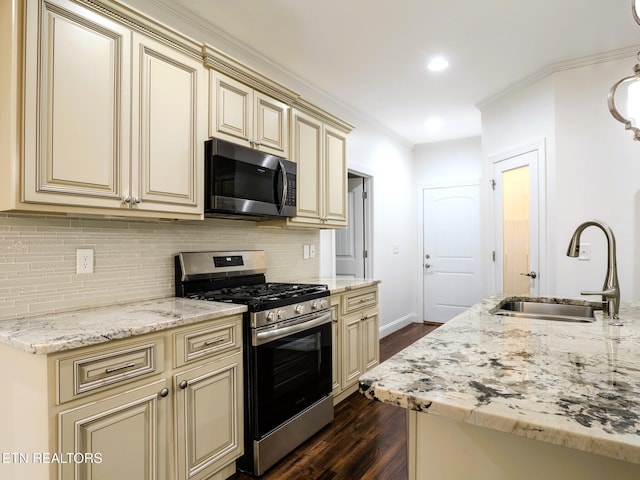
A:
[305,252]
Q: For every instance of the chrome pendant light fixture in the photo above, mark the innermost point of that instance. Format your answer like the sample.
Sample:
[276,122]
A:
[624,96]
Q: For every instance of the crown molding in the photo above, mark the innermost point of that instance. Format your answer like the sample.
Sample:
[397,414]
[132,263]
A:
[139,22]
[223,41]
[557,67]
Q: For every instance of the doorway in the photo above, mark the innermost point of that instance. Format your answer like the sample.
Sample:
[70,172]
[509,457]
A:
[518,226]
[451,279]
[352,243]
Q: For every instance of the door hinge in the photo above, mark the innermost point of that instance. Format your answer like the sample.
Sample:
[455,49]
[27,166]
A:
[492,182]
[365,195]
[493,255]
[365,254]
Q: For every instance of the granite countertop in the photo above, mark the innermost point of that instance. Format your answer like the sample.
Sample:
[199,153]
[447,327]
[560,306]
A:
[571,384]
[342,284]
[64,331]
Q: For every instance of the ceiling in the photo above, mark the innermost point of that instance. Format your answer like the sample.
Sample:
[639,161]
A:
[371,55]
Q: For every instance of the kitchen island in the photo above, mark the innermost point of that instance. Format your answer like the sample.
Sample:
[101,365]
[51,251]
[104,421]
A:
[492,397]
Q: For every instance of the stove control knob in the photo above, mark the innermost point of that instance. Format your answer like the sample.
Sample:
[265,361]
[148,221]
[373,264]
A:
[299,309]
[271,316]
[280,315]
[319,304]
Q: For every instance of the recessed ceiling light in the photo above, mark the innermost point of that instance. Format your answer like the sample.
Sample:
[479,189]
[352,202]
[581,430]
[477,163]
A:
[434,123]
[437,64]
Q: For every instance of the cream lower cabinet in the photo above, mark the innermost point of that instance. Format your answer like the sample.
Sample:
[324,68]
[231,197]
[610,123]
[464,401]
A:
[245,116]
[162,406]
[356,338]
[208,439]
[319,149]
[119,437]
[114,114]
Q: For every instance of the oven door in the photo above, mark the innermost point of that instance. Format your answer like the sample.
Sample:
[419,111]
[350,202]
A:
[290,370]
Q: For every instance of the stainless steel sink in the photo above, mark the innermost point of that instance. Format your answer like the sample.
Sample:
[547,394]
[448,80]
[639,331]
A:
[546,310]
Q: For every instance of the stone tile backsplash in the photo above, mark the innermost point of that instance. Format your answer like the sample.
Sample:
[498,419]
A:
[133,259]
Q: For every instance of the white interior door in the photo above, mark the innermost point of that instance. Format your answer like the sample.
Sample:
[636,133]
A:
[517,224]
[451,253]
[350,241]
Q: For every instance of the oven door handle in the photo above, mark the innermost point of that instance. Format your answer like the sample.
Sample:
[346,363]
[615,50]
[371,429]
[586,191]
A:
[260,338]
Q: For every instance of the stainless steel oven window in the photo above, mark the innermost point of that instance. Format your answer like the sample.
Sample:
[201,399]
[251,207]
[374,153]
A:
[289,373]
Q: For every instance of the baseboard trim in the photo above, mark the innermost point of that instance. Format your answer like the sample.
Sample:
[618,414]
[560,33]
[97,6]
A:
[396,325]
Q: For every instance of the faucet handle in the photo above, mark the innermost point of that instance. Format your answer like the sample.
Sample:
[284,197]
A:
[609,292]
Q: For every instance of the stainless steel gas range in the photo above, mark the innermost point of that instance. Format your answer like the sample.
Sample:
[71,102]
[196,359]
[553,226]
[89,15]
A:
[287,349]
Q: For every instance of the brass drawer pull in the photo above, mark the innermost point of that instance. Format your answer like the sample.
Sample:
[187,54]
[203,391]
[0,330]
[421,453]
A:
[123,367]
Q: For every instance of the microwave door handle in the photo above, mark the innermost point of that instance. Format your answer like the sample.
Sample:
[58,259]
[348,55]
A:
[283,172]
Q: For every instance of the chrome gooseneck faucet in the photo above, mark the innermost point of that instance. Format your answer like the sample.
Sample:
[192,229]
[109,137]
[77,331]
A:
[611,289]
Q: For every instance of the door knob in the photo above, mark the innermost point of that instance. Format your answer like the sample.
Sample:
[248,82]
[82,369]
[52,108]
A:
[531,274]
[427,265]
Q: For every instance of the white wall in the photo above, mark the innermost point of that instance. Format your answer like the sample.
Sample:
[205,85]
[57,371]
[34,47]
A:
[593,168]
[389,163]
[598,177]
[449,162]
[508,123]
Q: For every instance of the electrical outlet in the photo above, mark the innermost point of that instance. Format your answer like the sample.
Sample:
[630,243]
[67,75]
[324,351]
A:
[585,251]
[305,252]
[84,260]
[312,251]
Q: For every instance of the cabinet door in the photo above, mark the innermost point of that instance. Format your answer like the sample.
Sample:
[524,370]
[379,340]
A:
[335,174]
[336,337]
[169,128]
[307,153]
[230,110]
[351,350]
[126,435]
[76,106]
[370,340]
[209,424]
[271,129]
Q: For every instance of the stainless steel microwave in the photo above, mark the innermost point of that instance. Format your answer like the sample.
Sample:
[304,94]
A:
[243,182]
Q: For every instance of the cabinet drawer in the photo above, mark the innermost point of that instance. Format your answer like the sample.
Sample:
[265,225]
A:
[209,340]
[96,369]
[358,299]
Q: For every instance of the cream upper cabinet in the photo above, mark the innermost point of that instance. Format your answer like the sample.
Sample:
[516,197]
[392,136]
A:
[243,115]
[77,106]
[307,153]
[113,118]
[320,152]
[335,177]
[169,126]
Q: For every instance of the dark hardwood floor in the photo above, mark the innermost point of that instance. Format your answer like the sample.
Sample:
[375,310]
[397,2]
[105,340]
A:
[367,439]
